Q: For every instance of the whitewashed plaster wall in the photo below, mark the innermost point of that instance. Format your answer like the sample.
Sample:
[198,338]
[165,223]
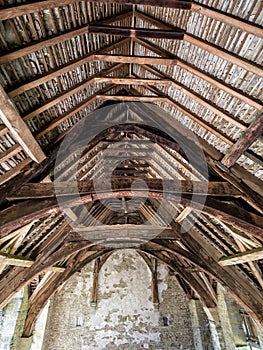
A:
[125,317]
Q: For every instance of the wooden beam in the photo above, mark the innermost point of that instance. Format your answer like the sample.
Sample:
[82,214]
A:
[187,276]
[33,172]
[136,32]
[203,75]
[184,213]
[242,258]
[14,11]
[37,304]
[10,152]
[56,39]
[247,183]
[22,213]
[132,98]
[244,142]
[231,278]
[134,59]
[63,69]
[180,134]
[95,282]
[227,18]
[242,244]
[13,172]
[214,49]
[226,55]
[196,118]
[43,263]
[220,84]
[13,260]
[155,290]
[111,233]
[51,125]
[19,129]
[230,213]
[45,190]
[207,104]
[132,81]
[65,94]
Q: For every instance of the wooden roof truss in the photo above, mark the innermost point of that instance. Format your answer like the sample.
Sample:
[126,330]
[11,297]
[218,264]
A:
[62,60]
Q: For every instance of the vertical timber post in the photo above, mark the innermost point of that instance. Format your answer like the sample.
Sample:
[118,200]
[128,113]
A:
[94,291]
[155,284]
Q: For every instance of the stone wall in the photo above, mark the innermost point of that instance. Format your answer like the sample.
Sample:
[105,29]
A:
[125,316]
[12,324]
[12,320]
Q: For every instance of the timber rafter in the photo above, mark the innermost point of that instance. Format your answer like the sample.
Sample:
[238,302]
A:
[204,70]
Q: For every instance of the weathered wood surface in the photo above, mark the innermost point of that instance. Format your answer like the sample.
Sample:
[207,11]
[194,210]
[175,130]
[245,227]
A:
[14,11]
[58,38]
[243,257]
[136,33]
[211,48]
[205,76]
[22,213]
[188,277]
[37,304]
[252,133]
[65,68]
[19,130]
[201,100]
[14,260]
[227,18]
[47,190]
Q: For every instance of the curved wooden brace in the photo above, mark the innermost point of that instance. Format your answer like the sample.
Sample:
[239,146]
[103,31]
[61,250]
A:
[48,290]
[23,213]
[248,296]
[11,285]
[203,294]
[231,278]
[147,260]
[20,277]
